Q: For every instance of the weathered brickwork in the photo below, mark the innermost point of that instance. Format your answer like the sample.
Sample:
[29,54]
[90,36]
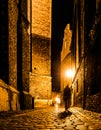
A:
[40,78]
[9,97]
[87,80]
[41,86]
[12,39]
[93,79]
[78,86]
[25,47]
[25,97]
[66,41]
[26,60]
[17,61]
[41,17]
[41,58]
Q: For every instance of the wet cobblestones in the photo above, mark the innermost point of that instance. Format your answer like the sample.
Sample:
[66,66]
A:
[49,119]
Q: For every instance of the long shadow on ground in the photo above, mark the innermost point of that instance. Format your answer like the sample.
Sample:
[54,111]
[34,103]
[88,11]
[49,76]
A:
[64,114]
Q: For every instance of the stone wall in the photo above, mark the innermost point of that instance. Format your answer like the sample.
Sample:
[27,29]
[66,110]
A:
[41,17]
[87,80]
[24,56]
[9,97]
[40,77]
[78,86]
[12,40]
[25,47]
[66,42]
[93,79]
[41,57]
[40,86]
[14,56]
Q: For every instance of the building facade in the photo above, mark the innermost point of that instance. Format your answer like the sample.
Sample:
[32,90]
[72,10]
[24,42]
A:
[40,77]
[14,56]
[86,53]
[66,59]
[25,53]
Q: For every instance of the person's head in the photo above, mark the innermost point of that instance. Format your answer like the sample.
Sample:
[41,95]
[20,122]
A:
[66,86]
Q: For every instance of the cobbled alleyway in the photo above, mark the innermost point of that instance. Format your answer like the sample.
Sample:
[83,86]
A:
[50,118]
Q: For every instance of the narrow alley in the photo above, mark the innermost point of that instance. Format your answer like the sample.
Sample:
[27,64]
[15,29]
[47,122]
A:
[50,118]
[45,46]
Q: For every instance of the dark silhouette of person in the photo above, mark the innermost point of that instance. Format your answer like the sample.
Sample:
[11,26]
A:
[67,97]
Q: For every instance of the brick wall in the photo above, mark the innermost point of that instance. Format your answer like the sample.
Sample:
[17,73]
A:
[40,78]
[41,55]
[15,57]
[41,17]
[25,47]
[87,81]
[40,86]
[9,97]
[12,40]
[78,86]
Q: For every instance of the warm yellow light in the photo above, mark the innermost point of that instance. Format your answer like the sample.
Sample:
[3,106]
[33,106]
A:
[57,99]
[70,73]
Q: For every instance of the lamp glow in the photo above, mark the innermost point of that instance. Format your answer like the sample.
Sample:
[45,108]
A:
[57,100]
[70,73]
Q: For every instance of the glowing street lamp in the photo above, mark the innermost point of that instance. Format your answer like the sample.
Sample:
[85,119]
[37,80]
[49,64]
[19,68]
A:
[70,73]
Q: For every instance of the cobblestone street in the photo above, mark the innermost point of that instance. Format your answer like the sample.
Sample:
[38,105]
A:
[50,118]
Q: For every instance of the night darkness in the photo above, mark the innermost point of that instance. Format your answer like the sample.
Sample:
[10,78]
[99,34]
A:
[62,12]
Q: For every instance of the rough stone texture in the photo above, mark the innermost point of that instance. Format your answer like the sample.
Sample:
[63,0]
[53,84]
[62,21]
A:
[25,97]
[40,86]
[25,57]
[17,62]
[87,81]
[9,97]
[40,78]
[42,103]
[41,17]
[12,39]
[41,58]
[26,100]
[78,87]
[66,42]
[93,76]
[4,105]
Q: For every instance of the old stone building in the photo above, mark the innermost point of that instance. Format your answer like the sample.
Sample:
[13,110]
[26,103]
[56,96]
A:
[25,53]
[86,53]
[66,58]
[14,56]
[40,77]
